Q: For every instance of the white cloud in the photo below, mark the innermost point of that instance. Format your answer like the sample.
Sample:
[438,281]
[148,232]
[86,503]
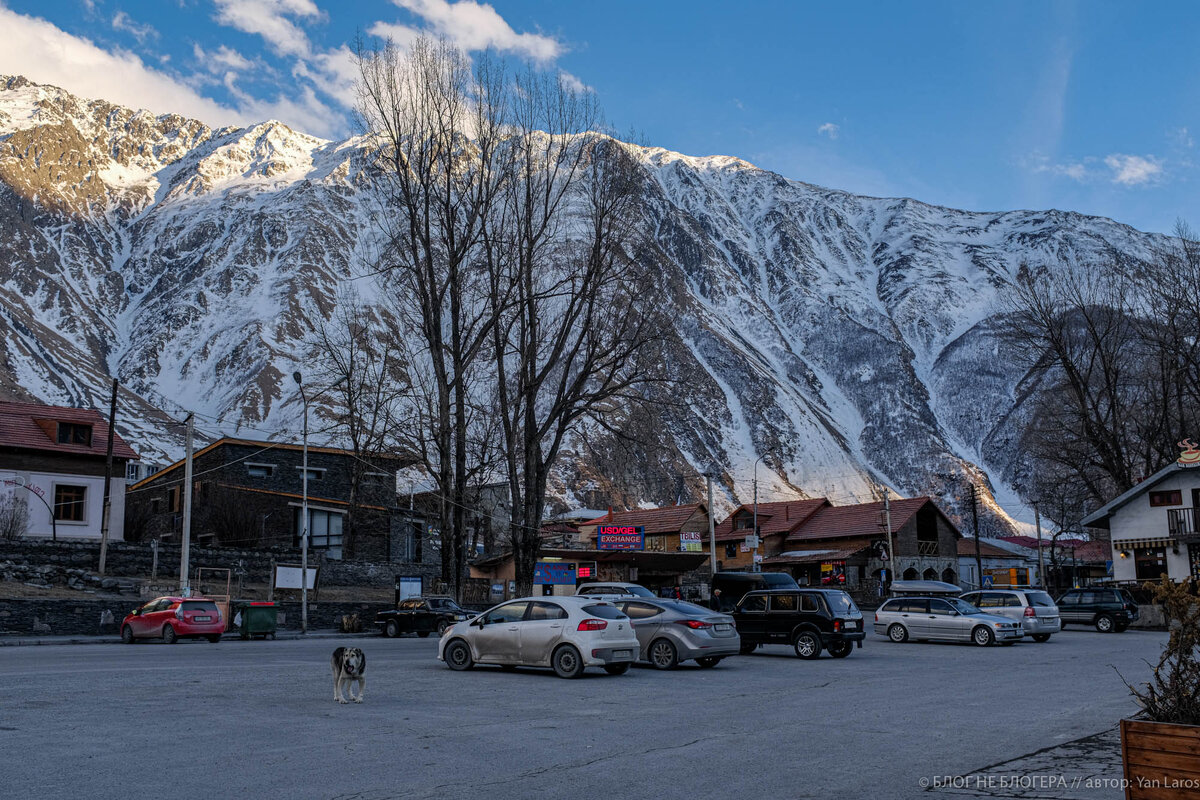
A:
[123,22]
[571,83]
[272,20]
[1181,137]
[1134,170]
[830,130]
[223,58]
[476,26]
[44,53]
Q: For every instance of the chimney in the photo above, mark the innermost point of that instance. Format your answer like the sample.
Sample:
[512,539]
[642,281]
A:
[610,516]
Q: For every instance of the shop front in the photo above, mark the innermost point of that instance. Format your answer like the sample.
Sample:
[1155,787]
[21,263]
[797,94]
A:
[562,571]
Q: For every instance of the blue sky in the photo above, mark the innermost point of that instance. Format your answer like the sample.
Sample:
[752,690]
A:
[1093,107]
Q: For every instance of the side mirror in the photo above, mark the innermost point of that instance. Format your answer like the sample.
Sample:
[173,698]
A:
[953,613]
[136,612]
[479,621]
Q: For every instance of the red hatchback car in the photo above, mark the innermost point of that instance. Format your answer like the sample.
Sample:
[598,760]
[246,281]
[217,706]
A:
[173,618]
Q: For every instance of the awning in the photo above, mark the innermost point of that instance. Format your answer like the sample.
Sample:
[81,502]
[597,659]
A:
[1138,544]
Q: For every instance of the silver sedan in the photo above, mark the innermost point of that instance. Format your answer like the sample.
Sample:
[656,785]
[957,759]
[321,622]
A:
[670,631]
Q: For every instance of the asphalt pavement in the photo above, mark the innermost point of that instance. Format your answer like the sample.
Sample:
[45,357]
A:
[258,720]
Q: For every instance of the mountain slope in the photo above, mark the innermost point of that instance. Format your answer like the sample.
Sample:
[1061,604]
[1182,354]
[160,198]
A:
[850,339]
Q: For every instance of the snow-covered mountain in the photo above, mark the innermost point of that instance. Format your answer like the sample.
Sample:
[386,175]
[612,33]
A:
[851,340]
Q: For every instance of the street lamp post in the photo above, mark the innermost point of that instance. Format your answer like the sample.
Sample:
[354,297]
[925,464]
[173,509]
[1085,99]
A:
[303,514]
[754,555]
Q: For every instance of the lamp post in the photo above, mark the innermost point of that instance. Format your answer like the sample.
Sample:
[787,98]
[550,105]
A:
[303,514]
[754,555]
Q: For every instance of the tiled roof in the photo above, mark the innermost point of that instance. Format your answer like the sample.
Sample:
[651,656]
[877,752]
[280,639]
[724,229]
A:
[966,547]
[1032,543]
[773,518]
[862,519]
[813,556]
[19,428]
[668,519]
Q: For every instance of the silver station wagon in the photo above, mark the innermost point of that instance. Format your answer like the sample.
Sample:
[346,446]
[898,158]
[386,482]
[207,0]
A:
[945,619]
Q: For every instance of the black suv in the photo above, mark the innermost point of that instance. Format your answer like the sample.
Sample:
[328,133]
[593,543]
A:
[807,619]
[1108,609]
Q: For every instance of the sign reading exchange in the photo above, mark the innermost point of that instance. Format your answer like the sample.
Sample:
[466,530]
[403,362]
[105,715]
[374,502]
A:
[621,537]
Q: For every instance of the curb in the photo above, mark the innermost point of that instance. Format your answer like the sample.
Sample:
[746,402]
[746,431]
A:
[282,636]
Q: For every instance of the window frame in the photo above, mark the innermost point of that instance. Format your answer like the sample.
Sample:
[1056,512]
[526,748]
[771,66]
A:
[1166,497]
[251,466]
[70,433]
[80,504]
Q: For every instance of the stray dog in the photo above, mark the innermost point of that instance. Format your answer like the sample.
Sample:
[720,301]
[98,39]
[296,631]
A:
[349,664]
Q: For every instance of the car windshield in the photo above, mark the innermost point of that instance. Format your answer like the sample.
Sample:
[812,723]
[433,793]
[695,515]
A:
[603,611]
[840,603]
[444,604]
[1040,599]
[962,606]
[637,591]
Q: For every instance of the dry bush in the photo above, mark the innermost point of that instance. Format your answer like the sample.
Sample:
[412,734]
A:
[1173,693]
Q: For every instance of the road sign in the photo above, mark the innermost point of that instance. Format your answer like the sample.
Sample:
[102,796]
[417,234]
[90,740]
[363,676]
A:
[987,581]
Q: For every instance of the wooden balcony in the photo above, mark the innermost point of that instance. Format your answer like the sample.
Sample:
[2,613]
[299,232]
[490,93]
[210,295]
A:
[1183,521]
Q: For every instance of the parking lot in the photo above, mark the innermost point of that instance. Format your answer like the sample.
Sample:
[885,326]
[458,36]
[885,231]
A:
[257,719]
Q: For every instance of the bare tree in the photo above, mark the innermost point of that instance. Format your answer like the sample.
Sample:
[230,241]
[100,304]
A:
[437,120]
[232,516]
[574,338]
[14,517]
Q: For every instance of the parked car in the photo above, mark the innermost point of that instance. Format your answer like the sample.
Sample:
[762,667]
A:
[945,619]
[671,631]
[1033,608]
[730,587]
[174,618]
[1108,609]
[567,634]
[613,589]
[420,615]
[810,620]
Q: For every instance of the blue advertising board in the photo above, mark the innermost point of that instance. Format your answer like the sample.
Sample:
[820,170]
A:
[554,573]
[620,537]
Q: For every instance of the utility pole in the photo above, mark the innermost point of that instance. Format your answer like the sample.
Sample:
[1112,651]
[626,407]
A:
[184,587]
[108,465]
[975,524]
[303,515]
[1037,521]
[754,556]
[712,526]
[887,524]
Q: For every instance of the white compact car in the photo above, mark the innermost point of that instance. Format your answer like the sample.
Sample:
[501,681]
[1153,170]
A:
[567,634]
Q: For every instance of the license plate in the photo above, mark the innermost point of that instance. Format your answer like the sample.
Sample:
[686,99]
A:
[202,619]
[852,625]
[622,654]
[722,627]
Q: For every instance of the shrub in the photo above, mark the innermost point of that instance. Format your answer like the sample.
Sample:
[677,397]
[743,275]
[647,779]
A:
[1173,693]
[351,624]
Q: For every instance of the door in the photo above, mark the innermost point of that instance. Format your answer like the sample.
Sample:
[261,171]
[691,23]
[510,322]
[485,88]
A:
[645,619]
[498,640]
[541,631]
[1068,607]
[424,619]
[914,613]
[944,623]
[782,616]
[141,623]
[752,618]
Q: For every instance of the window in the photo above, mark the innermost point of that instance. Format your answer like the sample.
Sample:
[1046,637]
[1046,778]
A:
[546,611]
[731,549]
[74,433]
[784,602]
[910,574]
[1174,498]
[314,473]
[939,607]
[173,499]
[986,600]
[743,523]
[755,602]
[69,503]
[1150,562]
[260,470]
[510,612]
[604,612]
[809,602]
[640,610]
[1069,600]
[912,606]
[324,530]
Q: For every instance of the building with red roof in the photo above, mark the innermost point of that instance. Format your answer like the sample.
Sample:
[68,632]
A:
[669,529]
[53,461]
[776,522]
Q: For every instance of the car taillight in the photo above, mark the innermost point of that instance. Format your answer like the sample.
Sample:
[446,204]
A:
[179,613]
[592,625]
[694,624]
[837,626]
[877,616]
[1029,612]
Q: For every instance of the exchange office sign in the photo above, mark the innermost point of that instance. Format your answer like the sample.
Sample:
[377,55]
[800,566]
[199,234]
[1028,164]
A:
[554,573]
[621,537]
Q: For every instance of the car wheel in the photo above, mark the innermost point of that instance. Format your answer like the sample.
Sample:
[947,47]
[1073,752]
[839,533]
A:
[898,633]
[391,630]
[662,654]
[708,662]
[127,635]
[169,635]
[458,655]
[423,634]
[441,626]
[1105,624]
[567,662]
[747,648]
[214,638]
[982,636]
[807,644]
[841,649]
[1041,637]
[617,669]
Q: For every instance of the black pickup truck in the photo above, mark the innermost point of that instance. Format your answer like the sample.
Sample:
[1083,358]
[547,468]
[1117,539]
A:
[810,620]
[421,615]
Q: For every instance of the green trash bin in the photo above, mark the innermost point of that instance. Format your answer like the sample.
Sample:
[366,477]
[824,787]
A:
[258,619]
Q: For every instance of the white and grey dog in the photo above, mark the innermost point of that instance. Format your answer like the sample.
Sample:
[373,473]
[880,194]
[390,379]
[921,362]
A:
[349,664]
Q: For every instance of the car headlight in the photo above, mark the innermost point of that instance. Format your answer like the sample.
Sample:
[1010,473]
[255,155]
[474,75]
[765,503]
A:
[448,629]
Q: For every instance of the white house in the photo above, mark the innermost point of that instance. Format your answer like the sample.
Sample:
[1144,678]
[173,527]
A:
[1154,525]
[54,458]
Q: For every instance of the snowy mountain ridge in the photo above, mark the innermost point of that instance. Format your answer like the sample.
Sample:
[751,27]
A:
[851,339]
